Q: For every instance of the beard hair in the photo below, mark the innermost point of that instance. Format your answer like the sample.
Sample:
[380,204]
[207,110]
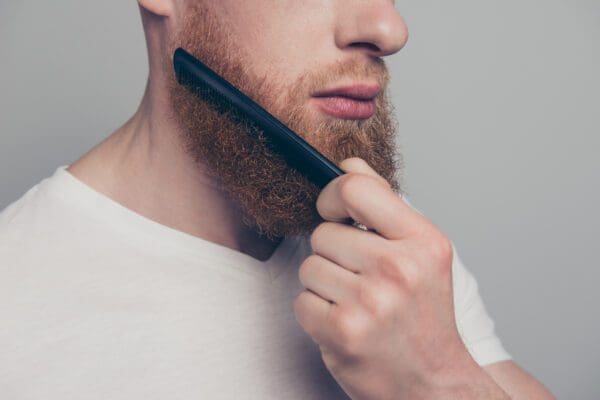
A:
[274,199]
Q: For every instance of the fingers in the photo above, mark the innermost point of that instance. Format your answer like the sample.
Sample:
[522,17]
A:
[329,325]
[312,313]
[347,246]
[365,199]
[327,279]
[356,164]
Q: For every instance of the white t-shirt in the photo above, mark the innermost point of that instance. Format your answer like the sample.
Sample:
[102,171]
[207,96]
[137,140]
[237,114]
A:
[99,302]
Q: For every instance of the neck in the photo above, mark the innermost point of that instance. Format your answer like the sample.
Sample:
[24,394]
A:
[143,165]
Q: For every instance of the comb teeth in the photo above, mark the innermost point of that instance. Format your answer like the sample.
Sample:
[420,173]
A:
[227,99]
[204,92]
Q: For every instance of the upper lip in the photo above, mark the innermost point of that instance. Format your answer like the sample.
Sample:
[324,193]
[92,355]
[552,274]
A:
[359,91]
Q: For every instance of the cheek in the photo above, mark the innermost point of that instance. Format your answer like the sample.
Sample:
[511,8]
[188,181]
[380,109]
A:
[282,38]
[277,52]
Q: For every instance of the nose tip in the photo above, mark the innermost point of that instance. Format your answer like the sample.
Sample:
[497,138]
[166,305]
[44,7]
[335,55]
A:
[378,28]
[391,34]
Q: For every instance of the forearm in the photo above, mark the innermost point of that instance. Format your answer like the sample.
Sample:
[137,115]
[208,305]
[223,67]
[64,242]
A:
[460,380]
[470,382]
[477,387]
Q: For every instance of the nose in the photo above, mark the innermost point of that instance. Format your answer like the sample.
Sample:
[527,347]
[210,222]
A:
[374,26]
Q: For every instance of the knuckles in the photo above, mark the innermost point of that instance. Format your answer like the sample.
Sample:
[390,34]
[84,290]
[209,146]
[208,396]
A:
[441,253]
[391,266]
[380,302]
[349,331]
[407,271]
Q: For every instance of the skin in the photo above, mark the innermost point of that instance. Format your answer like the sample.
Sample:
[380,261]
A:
[366,291]
[273,198]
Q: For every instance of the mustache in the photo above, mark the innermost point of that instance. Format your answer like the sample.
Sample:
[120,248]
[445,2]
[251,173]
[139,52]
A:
[288,103]
[352,70]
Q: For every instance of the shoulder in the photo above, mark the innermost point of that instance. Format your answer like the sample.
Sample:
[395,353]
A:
[22,215]
[28,229]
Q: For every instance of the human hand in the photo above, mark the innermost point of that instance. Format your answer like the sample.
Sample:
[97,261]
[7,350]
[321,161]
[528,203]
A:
[379,303]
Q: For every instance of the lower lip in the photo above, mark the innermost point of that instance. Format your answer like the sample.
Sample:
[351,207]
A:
[346,108]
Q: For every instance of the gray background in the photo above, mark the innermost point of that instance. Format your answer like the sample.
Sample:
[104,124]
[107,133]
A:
[498,105]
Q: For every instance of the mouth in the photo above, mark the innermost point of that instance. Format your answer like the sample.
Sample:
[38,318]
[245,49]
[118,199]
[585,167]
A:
[357,101]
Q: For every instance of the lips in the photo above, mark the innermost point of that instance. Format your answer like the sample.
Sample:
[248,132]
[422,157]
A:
[348,102]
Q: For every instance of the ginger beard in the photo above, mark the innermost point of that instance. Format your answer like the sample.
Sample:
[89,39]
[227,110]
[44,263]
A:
[273,199]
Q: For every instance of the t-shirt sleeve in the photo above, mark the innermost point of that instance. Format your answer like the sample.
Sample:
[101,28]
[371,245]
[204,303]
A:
[475,326]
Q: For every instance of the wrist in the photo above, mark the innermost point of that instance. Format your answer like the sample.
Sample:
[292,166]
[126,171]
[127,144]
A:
[464,379]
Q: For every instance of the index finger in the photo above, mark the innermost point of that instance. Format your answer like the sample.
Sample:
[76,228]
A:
[365,199]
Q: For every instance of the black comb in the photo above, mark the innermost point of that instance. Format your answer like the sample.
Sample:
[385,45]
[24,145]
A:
[207,84]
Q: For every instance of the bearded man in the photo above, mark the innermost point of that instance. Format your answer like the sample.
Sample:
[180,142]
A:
[181,258]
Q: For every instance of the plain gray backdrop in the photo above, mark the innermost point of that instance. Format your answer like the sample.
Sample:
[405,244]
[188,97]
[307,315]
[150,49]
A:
[498,103]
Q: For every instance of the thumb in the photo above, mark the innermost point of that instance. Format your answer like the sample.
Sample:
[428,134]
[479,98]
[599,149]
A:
[358,165]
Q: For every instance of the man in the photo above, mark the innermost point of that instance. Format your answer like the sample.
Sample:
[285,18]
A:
[181,259]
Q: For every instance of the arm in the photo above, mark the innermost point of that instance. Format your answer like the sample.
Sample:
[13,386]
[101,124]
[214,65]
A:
[478,332]
[379,302]
[517,382]
[503,380]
